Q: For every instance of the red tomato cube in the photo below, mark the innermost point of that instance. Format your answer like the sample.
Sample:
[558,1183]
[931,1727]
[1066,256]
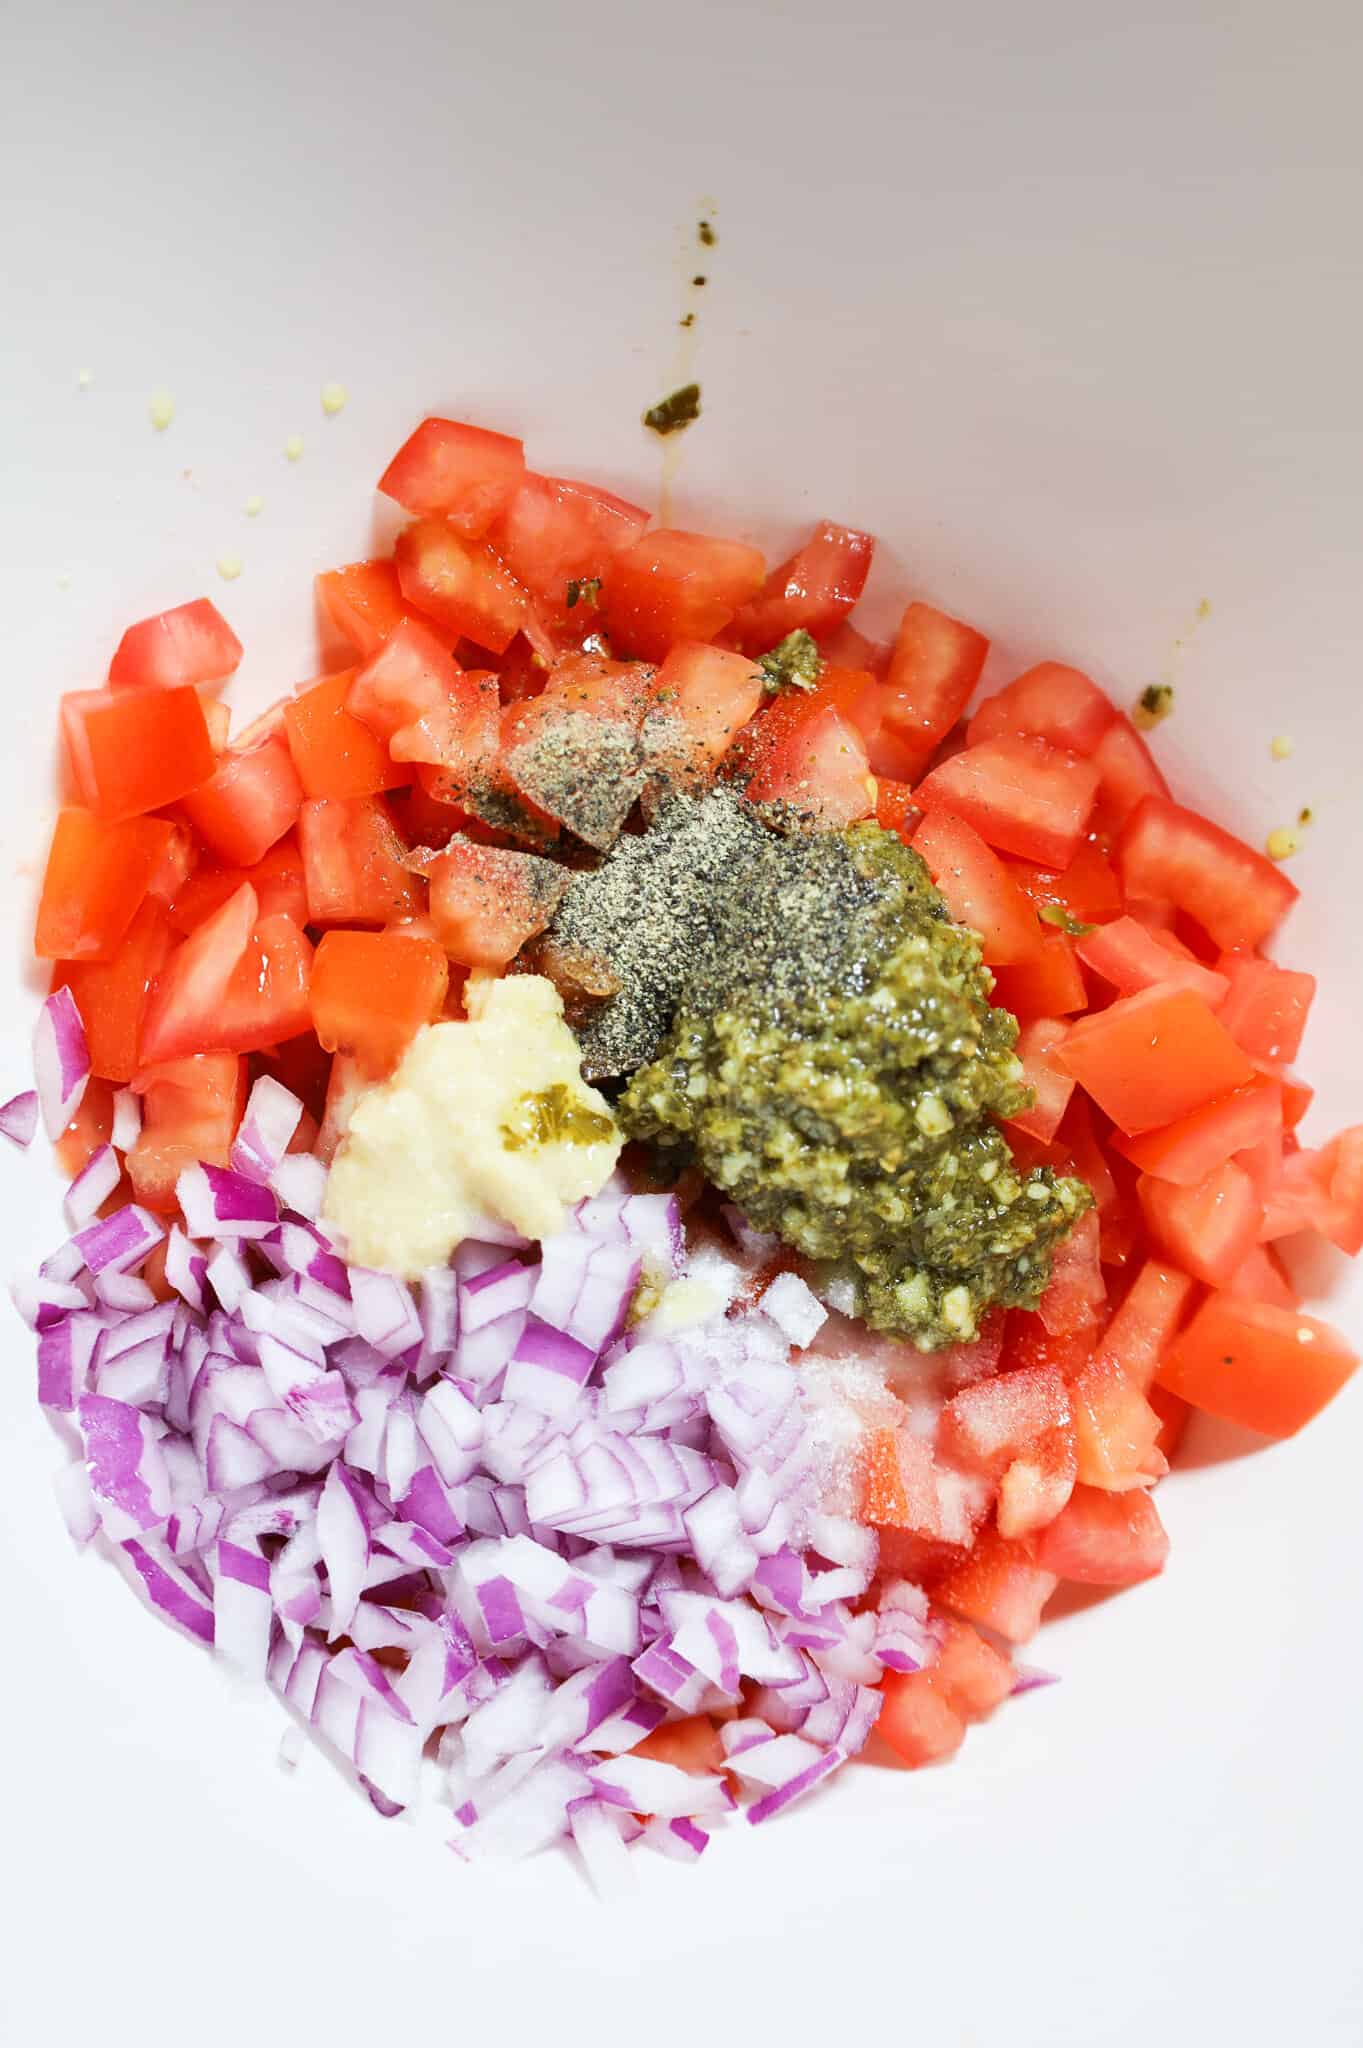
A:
[334,754]
[96,878]
[191,644]
[1152,1058]
[371,992]
[249,802]
[467,474]
[676,586]
[814,590]
[934,666]
[977,887]
[1171,855]
[1059,704]
[1105,1539]
[136,750]
[1210,1229]
[1270,1369]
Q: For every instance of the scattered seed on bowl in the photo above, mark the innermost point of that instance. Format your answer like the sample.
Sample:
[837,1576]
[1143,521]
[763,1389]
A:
[1282,843]
[333,399]
[161,410]
[229,567]
[254,506]
[1281,747]
[293,448]
[84,379]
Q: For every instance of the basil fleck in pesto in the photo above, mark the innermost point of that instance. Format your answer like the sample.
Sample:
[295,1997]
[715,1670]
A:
[583,590]
[1153,706]
[705,234]
[1064,920]
[795,663]
[675,411]
[554,1116]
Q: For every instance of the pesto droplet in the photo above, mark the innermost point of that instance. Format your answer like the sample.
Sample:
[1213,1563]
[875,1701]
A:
[675,411]
[795,663]
[554,1116]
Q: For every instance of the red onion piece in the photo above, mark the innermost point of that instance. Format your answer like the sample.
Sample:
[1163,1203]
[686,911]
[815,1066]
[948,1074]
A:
[19,1119]
[61,1061]
[127,1125]
[263,1137]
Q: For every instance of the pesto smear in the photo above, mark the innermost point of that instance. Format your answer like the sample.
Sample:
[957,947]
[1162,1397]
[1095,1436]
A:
[824,1049]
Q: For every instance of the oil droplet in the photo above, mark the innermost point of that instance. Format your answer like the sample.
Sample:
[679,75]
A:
[161,410]
[1282,843]
[1281,747]
[254,506]
[293,448]
[333,399]
[229,567]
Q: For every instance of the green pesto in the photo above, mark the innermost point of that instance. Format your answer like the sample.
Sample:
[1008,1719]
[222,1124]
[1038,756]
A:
[675,411]
[554,1116]
[583,590]
[856,1117]
[1064,920]
[795,663]
[705,234]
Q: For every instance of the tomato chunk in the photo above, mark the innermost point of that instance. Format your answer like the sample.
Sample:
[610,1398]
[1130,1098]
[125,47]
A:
[969,1672]
[1088,890]
[1038,1482]
[1263,1277]
[486,901]
[821,772]
[190,1112]
[112,995]
[815,589]
[1051,1087]
[977,887]
[701,699]
[672,585]
[460,583]
[96,878]
[192,643]
[575,751]
[1152,1058]
[1132,957]
[363,602]
[236,984]
[1209,1229]
[917,1721]
[371,992]
[1046,983]
[277,879]
[1059,704]
[559,537]
[897,809]
[249,802]
[934,667]
[333,753]
[1323,1191]
[1000,1586]
[1116,1431]
[1105,1539]
[408,678]
[1146,1323]
[1021,794]
[135,750]
[692,1745]
[1127,772]
[1266,1007]
[467,474]
[1187,1151]
[987,1425]
[1174,856]
[354,863]
[1270,1369]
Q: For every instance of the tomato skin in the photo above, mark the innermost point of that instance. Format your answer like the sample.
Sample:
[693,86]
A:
[486,901]
[692,1745]
[1127,773]
[821,771]
[467,474]
[1052,1087]
[1153,1058]
[407,678]
[354,863]
[192,643]
[896,810]
[671,585]
[461,584]
[1147,1322]
[1270,1369]
[555,532]
[190,1111]
[1047,983]
[1116,1431]
[1187,1151]
[934,666]
[1088,889]
[1263,1277]
[1132,957]
[1105,1539]
[112,996]
[250,801]
[371,992]
[999,1586]
[815,589]
[976,886]
[701,699]
[333,752]
[1021,794]
[1208,1229]
[1266,1007]
[1172,855]
[917,1721]
[1058,704]
[135,750]
[96,879]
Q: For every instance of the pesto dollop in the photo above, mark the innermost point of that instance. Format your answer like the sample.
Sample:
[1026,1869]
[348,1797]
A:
[846,1097]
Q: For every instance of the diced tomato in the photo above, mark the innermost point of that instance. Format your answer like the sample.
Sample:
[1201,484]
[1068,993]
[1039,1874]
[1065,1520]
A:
[896,809]
[701,699]
[364,602]
[1174,856]
[1027,1342]
[371,992]
[237,983]
[676,586]
[192,643]
[190,1112]
[934,667]
[964,1364]
[918,1722]
[248,803]
[217,717]
[1263,1277]
[969,1672]
[1115,1428]
[895,1481]
[1152,1058]
[767,738]
[1087,1155]
[486,901]
[1267,1007]
[1077,1291]
[90,1127]
[277,879]
[556,533]
[1187,1151]
[821,772]
[1322,1191]
[1105,1539]
[176,865]
[334,754]
[1132,957]
[1087,890]
[460,583]
[304,1068]
[407,679]
[1270,1369]
[1056,703]
[1146,1323]
[467,474]
[96,879]
[1047,983]
[1038,1482]
[989,1424]
[135,750]
[1173,1413]
[354,863]
[1127,772]
[1021,794]
[1049,1085]
[692,1745]
[575,751]
[455,741]
[976,886]
[345,1086]
[1000,1586]
[1210,1229]
[815,589]
[112,996]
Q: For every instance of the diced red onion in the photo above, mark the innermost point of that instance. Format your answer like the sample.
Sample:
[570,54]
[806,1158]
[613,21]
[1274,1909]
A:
[343,1532]
[266,1130]
[186,1268]
[216,1203]
[494,1294]
[778,1800]
[77,1503]
[119,1242]
[385,1313]
[300,1181]
[61,1061]
[1029,1677]
[796,1311]
[170,1589]
[548,1369]
[127,1293]
[681,1839]
[229,1276]
[66,1352]
[243,1614]
[19,1119]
